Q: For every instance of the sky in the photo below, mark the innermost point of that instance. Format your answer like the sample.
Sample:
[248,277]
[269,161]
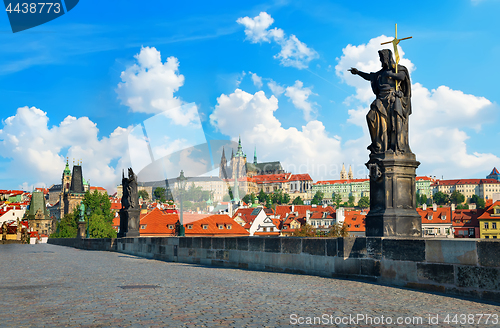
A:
[162,86]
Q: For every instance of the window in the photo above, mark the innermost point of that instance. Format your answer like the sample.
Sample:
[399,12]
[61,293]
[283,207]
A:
[356,226]
[221,226]
[264,229]
[205,226]
[190,226]
[170,226]
[429,217]
[229,227]
[443,217]
[493,225]
[271,229]
[143,226]
[486,225]
[471,231]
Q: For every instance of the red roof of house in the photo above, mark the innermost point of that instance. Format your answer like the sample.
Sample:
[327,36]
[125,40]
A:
[213,225]
[157,222]
[283,210]
[441,215]
[424,178]
[466,218]
[488,212]
[97,188]
[245,214]
[463,182]
[192,217]
[355,220]
[44,190]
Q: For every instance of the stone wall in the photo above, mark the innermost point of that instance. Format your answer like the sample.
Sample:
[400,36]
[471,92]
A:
[464,267]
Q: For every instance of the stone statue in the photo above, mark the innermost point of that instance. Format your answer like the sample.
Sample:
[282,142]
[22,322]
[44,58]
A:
[82,212]
[4,231]
[388,116]
[130,196]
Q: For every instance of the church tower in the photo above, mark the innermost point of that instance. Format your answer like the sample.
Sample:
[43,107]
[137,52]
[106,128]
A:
[343,173]
[66,178]
[350,176]
[223,166]
[239,162]
[255,156]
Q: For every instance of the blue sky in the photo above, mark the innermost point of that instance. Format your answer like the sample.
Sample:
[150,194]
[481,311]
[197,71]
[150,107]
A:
[272,72]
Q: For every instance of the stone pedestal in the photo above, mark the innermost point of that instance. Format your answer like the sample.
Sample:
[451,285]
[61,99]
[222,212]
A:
[82,231]
[393,196]
[129,222]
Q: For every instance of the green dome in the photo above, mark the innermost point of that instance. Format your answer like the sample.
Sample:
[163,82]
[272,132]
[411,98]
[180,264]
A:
[67,170]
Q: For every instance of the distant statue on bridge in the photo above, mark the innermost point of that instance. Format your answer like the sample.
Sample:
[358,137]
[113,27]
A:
[130,197]
[388,116]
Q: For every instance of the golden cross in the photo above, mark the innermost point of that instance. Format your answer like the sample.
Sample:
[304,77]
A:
[395,42]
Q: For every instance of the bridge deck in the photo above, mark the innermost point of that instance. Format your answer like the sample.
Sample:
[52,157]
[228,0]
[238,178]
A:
[47,285]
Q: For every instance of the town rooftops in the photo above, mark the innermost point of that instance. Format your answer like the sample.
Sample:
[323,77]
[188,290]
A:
[213,225]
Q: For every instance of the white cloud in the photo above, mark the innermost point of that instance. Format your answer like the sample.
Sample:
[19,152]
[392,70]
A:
[439,117]
[293,52]
[275,88]
[309,149]
[257,80]
[149,86]
[35,149]
[299,95]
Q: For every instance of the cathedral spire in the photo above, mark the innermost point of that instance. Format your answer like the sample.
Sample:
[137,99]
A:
[350,176]
[255,155]
[343,173]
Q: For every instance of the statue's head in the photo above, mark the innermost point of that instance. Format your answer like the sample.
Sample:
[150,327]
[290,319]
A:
[386,58]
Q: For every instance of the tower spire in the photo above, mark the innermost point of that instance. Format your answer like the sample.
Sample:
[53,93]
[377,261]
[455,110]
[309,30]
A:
[255,155]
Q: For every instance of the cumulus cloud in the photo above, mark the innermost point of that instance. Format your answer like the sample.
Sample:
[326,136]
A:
[148,86]
[310,149]
[439,120]
[299,95]
[35,148]
[275,88]
[293,52]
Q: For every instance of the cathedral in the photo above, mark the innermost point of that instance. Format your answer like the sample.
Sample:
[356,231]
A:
[239,167]
[72,189]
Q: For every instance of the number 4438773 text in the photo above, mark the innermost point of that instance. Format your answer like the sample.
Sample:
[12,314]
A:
[34,8]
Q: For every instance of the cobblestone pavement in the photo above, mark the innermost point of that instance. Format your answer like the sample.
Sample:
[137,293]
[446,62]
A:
[55,286]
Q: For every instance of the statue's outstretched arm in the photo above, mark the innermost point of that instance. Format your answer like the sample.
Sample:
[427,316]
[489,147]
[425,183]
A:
[364,75]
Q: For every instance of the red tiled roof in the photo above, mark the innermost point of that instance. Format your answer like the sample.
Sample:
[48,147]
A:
[156,223]
[463,182]
[97,188]
[437,216]
[283,210]
[355,221]
[466,218]
[488,211]
[245,214]
[212,224]
[424,178]
[44,190]
[192,217]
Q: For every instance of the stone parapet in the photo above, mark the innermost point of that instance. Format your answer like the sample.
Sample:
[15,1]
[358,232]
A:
[460,267]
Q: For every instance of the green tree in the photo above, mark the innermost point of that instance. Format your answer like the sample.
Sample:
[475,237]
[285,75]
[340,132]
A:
[421,199]
[67,227]
[350,202]
[337,199]
[144,194]
[298,201]
[338,230]
[305,230]
[262,196]
[457,198]
[286,198]
[226,198]
[159,194]
[480,203]
[318,198]
[364,202]
[441,198]
[247,199]
[101,215]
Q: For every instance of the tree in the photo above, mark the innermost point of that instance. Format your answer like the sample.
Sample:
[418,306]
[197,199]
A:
[101,216]
[286,198]
[318,198]
[159,194]
[247,199]
[441,198]
[350,202]
[144,194]
[364,202]
[262,196]
[305,230]
[337,199]
[480,203]
[226,198]
[298,201]
[421,199]
[338,230]
[67,227]
[457,198]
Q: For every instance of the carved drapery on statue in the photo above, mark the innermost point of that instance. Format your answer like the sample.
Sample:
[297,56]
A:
[130,195]
[389,112]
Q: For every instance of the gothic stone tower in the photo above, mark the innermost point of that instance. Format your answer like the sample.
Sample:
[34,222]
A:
[72,196]
[238,163]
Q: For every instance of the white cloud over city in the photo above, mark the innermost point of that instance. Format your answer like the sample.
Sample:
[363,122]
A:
[35,148]
[293,52]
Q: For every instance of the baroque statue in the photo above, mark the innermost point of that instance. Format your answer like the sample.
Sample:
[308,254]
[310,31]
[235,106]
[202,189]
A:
[130,197]
[388,115]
